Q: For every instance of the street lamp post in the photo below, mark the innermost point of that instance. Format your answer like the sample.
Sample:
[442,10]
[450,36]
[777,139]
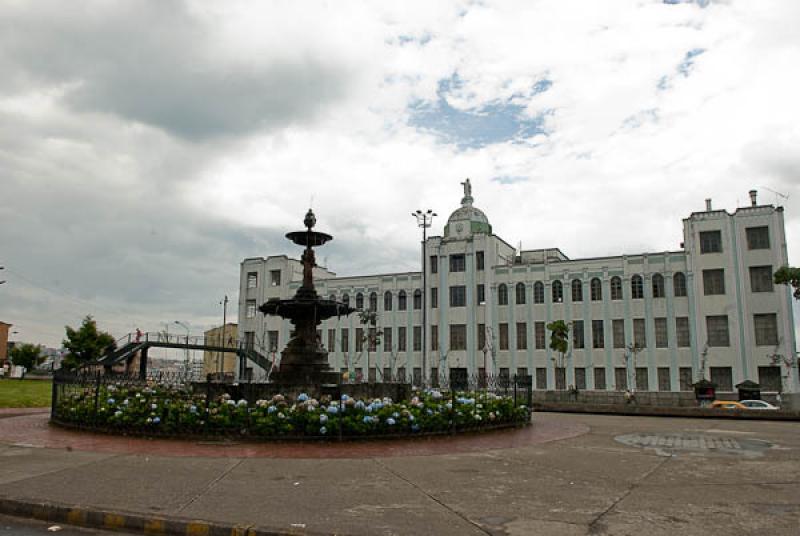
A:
[424,220]
[221,360]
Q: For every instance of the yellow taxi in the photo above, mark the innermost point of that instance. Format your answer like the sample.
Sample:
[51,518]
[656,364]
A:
[727,404]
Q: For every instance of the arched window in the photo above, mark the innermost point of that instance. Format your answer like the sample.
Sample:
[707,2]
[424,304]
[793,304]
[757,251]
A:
[538,292]
[558,292]
[373,301]
[401,300]
[520,291]
[502,295]
[387,301]
[637,287]
[359,301]
[658,286]
[418,299]
[679,284]
[577,290]
[596,289]
[346,299]
[616,288]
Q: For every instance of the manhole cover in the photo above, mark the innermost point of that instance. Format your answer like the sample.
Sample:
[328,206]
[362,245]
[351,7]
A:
[671,444]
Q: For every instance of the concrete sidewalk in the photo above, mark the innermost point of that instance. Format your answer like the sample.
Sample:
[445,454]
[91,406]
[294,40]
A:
[590,484]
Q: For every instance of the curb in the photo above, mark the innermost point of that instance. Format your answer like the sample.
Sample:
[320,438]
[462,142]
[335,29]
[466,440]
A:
[136,523]
[661,411]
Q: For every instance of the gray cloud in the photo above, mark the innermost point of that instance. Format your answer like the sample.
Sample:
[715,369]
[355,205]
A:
[156,63]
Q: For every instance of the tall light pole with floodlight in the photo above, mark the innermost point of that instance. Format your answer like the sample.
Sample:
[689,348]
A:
[424,220]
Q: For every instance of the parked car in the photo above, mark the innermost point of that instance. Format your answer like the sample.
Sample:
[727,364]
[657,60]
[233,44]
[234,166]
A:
[757,404]
[727,404]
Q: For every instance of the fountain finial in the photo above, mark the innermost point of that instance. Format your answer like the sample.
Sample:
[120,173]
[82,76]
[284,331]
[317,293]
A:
[310,220]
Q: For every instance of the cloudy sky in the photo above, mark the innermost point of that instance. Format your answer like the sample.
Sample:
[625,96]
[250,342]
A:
[146,148]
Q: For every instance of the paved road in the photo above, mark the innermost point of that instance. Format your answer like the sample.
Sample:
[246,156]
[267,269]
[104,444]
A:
[624,475]
[15,526]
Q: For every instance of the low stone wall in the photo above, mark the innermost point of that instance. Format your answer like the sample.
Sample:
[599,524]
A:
[666,404]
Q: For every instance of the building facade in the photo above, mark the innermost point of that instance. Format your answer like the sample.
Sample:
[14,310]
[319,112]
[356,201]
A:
[652,321]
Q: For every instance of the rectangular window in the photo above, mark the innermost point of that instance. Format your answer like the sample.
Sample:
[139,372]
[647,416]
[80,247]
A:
[503,377]
[539,335]
[458,263]
[275,278]
[345,343]
[479,260]
[577,334]
[766,326]
[387,339]
[359,374]
[639,333]
[371,375]
[713,282]
[522,373]
[251,309]
[434,298]
[417,379]
[662,337]
[618,329]
[770,378]
[757,237]
[522,336]
[401,374]
[761,278]
[710,242]
[417,338]
[600,379]
[401,339]
[580,378]
[272,341]
[372,339]
[503,336]
[434,264]
[682,331]
[685,378]
[249,339]
[458,296]
[541,378]
[481,337]
[359,339]
[561,378]
[458,337]
[387,374]
[331,340]
[434,338]
[663,379]
[598,337]
[723,377]
[252,279]
[434,376]
[481,294]
[717,328]
[621,378]
[642,379]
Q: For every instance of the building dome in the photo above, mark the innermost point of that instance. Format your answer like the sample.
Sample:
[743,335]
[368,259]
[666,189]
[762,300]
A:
[467,219]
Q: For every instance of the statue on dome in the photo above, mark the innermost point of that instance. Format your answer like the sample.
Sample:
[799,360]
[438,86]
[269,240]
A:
[467,188]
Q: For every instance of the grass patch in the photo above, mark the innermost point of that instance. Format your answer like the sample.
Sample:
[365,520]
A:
[25,393]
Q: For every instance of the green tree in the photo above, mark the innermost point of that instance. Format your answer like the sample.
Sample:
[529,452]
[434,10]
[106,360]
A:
[559,342]
[86,344]
[26,355]
[789,276]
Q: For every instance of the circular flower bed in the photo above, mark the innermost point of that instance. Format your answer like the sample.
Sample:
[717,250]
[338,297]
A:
[169,411]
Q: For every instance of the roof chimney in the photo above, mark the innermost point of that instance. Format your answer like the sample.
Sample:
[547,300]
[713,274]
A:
[708,205]
[753,194]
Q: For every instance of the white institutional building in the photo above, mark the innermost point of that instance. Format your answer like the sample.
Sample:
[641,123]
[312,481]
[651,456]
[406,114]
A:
[653,321]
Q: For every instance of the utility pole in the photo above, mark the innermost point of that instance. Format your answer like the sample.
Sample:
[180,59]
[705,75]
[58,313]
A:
[221,360]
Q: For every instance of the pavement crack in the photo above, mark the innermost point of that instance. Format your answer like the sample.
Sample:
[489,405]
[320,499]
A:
[431,497]
[210,485]
[594,525]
